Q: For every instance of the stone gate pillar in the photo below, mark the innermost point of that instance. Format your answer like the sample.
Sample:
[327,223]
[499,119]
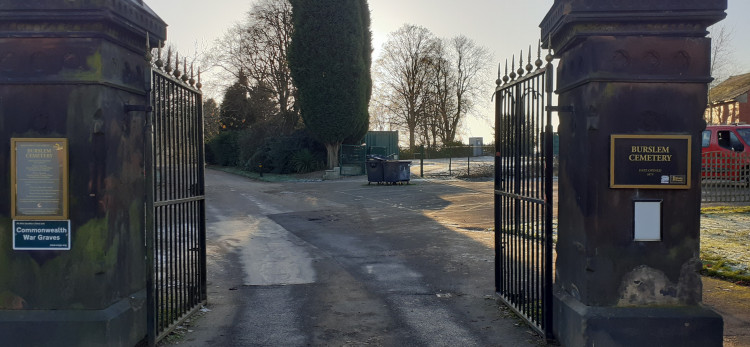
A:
[67,70]
[632,84]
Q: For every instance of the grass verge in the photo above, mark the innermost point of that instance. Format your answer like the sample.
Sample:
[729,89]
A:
[723,269]
[725,237]
[267,177]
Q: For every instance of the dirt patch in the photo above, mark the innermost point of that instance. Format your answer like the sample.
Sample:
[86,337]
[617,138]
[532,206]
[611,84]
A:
[733,303]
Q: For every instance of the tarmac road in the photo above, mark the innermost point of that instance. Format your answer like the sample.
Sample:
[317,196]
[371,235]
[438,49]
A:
[343,263]
[338,263]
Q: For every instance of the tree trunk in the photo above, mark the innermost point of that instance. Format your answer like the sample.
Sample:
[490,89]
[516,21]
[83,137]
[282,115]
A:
[412,132]
[332,150]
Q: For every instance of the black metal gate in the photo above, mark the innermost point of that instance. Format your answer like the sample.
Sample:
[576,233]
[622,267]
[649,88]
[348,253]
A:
[175,216]
[523,192]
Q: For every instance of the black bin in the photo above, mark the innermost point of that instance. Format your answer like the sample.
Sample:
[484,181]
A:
[375,169]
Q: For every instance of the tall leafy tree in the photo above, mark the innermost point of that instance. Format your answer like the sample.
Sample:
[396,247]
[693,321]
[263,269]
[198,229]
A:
[211,119]
[235,108]
[330,58]
[245,105]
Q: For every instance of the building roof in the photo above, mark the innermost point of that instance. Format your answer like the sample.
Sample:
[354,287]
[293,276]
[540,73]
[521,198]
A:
[730,89]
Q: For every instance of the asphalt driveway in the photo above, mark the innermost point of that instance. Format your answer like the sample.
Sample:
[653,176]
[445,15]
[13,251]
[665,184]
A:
[339,263]
[344,263]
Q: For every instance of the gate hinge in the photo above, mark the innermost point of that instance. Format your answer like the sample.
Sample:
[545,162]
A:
[138,108]
[560,109]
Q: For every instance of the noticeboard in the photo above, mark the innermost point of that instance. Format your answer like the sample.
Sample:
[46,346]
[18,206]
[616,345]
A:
[39,178]
[650,161]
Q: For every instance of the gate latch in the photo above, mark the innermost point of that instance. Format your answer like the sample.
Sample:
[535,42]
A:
[560,109]
[138,108]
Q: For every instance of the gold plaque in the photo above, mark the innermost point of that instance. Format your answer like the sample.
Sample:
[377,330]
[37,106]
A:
[650,161]
[39,178]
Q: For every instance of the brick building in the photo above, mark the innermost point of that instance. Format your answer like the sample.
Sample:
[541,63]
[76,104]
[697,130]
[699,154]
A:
[728,101]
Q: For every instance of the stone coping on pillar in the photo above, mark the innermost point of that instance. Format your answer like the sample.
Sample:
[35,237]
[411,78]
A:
[123,21]
[568,21]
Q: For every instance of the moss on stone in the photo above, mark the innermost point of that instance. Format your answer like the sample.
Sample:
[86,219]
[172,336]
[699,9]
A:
[77,278]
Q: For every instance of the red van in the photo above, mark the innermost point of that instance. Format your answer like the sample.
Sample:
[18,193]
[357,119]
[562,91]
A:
[726,153]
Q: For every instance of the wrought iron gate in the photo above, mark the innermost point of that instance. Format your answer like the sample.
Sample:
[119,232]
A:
[175,216]
[523,192]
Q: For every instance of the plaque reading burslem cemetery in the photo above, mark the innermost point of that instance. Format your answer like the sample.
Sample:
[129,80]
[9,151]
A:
[650,161]
[39,179]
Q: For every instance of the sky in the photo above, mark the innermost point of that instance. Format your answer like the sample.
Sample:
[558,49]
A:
[504,27]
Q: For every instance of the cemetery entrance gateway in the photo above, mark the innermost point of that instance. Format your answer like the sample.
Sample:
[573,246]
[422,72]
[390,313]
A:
[177,205]
[523,191]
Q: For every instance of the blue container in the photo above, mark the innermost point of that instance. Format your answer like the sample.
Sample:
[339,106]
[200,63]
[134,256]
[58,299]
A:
[395,171]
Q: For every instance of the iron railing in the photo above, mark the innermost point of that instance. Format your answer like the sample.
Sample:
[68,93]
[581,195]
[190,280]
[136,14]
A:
[469,161]
[176,212]
[352,160]
[725,177]
[523,193]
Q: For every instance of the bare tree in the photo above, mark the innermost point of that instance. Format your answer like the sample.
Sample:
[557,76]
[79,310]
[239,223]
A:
[722,53]
[470,64]
[442,91]
[722,61]
[429,85]
[258,47]
[404,71]
[380,117]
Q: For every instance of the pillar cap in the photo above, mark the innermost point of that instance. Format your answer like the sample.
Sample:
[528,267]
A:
[569,21]
[132,18]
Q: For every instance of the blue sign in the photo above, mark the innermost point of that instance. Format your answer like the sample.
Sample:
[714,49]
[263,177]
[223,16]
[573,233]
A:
[40,235]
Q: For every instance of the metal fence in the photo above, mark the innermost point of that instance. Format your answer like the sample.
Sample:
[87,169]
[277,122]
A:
[455,161]
[352,160]
[725,177]
[524,193]
[176,212]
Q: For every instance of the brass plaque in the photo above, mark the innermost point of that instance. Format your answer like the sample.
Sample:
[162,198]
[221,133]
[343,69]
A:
[650,161]
[39,178]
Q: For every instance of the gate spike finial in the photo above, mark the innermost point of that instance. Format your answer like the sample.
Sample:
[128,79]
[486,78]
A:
[538,61]
[192,76]
[529,67]
[199,84]
[177,72]
[159,63]
[513,68]
[520,64]
[168,67]
[184,69]
[506,78]
[499,80]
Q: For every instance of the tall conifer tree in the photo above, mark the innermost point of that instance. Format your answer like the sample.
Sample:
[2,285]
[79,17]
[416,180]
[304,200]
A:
[330,59]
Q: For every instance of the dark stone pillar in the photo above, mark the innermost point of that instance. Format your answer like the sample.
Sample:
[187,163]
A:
[636,67]
[67,68]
